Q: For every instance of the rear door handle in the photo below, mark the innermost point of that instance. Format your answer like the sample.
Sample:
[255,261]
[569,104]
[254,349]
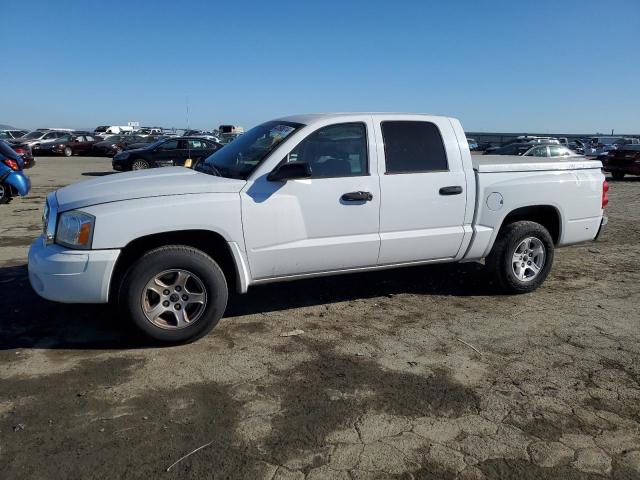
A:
[453,190]
[357,197]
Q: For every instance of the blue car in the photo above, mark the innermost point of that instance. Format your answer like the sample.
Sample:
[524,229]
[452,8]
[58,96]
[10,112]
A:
[13,181]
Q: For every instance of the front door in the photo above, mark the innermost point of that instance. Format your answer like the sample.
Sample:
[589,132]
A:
[423,191]
[328,222]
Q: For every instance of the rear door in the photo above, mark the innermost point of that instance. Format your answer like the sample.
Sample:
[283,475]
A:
[422,185]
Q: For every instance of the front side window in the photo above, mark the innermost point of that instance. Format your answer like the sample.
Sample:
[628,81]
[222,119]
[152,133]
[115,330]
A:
[334,151]
[413,146]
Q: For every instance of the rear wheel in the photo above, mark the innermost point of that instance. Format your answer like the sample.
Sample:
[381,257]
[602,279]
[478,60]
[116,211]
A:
[522,257]
[68,152]
[617,175]
[139,165]
[174,294]
[5,193]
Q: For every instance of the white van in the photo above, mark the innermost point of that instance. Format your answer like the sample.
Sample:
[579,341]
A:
[104,130]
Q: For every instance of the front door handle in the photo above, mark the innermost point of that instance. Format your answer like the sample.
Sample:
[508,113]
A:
[453,190]
[357,197]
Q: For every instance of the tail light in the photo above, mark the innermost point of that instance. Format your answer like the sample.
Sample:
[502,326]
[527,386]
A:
[11,163]
[20,151]
[605,197]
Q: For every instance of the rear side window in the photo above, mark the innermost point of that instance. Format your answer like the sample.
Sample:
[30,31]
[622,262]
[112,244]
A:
[413,147]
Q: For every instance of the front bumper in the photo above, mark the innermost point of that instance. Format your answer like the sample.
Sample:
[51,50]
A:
[71,276]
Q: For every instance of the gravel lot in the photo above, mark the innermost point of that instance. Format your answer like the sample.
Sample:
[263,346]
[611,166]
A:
[414,373]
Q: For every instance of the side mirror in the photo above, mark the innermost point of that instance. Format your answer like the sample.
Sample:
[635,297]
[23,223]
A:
[290,171]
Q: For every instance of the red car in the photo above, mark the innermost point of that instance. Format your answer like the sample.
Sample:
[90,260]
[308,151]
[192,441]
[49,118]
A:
[623,161]
[24,150]
[73,144]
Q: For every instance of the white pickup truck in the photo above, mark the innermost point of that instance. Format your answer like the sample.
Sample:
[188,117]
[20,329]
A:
[308,195]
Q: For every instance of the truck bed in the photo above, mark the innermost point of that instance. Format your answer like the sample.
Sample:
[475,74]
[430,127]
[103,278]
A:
[514,163]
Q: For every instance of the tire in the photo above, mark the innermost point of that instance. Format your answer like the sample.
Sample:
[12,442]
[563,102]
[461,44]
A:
[155,313]
[617,175]
[5,194]
[140,165]
[68,152]
[524,240]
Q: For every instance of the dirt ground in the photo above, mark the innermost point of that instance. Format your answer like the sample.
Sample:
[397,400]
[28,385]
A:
[421,373]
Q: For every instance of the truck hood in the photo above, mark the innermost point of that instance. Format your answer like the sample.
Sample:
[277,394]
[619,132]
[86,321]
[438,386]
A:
[157,182]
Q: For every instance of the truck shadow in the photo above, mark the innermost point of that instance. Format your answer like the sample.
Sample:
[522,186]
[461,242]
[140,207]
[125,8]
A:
[28,321]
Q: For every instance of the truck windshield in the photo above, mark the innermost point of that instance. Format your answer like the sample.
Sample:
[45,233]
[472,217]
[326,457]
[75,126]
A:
[240,157]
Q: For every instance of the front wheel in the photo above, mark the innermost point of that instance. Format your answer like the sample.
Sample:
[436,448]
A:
[617,175]
[140,165]
[174,294]
[522,257]
[68,152]
[5,193]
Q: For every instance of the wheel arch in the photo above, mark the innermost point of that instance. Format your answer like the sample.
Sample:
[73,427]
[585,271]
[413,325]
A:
[546,215]
[210,242]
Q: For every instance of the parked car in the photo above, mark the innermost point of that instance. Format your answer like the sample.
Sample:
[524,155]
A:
[73,144]
[302,196]
[36,138]
[13,181]
[201,134]
[602,145]
[623,161]
[553,150]
[105,130]
[148,131]
[165,153]
[509,149]
[114,144]
[12,134]
[145,142]
[26,153]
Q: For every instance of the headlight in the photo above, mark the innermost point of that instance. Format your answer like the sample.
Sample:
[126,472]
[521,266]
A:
[75,229]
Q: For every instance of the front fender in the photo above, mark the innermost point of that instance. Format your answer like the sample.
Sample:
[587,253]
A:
[19,181]
[121,222]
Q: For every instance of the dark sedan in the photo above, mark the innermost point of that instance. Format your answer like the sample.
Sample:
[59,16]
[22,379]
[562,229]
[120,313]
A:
[165,153]
[115,144]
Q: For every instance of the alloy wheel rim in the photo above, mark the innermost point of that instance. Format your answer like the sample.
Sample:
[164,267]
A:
[174,299]
[138,165]
[2,191]
[528,259]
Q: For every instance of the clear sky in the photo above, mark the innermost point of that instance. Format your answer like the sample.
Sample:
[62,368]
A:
[543,66]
